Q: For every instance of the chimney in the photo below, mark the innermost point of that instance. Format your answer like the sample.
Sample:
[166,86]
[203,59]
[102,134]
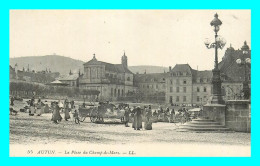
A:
[170,68]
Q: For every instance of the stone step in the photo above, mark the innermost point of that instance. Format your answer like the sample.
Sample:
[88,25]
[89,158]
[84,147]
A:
[203,120]
[204,123]
[204,126]
[204,129]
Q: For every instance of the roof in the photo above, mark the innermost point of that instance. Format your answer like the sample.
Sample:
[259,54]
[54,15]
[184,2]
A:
[202,74]
[182,68]
[57,82]
[122,69]
[68,77]
[117,68]
[93,61]
[229,68]
[151,77]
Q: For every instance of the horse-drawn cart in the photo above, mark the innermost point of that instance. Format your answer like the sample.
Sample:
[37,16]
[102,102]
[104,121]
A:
[97,114]
[87,111]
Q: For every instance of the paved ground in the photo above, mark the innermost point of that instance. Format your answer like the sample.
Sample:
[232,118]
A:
[27,129]
[39,132]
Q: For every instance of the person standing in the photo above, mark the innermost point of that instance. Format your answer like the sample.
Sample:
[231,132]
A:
[32,107]
[76,116]
[126,116]
[148,120]
[138,119]
[12,101]
[172,115]
[56,117]
[66,110]
[39,106]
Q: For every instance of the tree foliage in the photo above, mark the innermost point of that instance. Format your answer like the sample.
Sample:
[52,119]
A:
[26,88]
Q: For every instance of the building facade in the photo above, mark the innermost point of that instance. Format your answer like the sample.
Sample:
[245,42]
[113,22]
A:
[234,75]
[111,80]
[152,86]
[186,86]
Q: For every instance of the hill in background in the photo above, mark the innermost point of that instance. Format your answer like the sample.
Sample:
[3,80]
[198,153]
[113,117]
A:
[55,63]
[63,65]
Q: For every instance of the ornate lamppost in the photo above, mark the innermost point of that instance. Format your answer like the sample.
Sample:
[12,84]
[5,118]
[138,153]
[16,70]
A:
[219,43]
[245,62]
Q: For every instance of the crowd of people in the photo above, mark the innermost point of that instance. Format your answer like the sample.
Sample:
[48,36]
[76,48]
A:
[136,115]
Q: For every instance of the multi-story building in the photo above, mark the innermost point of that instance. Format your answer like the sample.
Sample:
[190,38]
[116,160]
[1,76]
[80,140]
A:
[111,80]
[152,85]
[188,86]
[201,86]
[234,75]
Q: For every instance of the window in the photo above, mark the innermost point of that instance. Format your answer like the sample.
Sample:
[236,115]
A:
[170,100]
[205,89]
[184,81]
[177,89]
[171,82]
[184,98]
[198,89]
[177,99]
[128,79]
[170,89]
[198,98]
[184,89]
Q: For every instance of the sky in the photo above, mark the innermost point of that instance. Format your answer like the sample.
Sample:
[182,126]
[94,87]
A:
[148,37]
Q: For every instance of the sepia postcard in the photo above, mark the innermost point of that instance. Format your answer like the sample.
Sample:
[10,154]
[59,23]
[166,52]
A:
[130,83]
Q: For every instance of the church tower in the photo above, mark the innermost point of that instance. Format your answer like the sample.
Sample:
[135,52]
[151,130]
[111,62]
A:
[124,60]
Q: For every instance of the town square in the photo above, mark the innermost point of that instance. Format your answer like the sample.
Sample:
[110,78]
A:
[127,80]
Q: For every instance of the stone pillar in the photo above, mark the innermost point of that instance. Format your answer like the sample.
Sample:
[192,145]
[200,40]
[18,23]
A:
[215,112]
